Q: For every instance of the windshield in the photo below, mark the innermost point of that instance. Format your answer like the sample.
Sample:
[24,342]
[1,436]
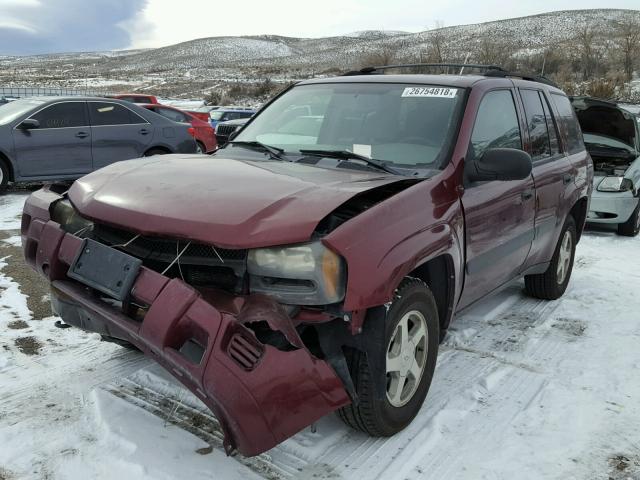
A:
[216,115]
[405,125]
[10,111]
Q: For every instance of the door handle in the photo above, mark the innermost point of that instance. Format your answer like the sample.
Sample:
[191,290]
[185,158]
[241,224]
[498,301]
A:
[82,134]
[527,195]
[143,131]
[567,179]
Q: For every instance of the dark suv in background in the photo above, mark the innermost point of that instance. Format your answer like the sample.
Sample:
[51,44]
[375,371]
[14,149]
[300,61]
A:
[316,263]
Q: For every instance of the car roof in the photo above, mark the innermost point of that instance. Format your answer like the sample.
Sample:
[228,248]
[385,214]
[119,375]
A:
[457,81]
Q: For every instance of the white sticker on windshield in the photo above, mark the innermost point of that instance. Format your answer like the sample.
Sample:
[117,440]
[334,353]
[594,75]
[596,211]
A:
[441,92]
[362,149]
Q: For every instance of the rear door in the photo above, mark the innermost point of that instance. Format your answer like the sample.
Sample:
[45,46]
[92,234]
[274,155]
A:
[552,172]
[118,133]
[499,215]
[60,147]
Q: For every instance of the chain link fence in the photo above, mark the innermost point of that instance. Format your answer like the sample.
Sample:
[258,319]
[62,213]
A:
[21,92]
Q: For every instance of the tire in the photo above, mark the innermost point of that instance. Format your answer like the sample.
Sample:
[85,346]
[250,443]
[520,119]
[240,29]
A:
[389,415]
[631,227]
[155,151]
[552,284]
[200,148]
[4,176]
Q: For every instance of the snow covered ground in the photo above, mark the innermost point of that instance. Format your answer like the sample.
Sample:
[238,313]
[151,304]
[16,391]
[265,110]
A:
[523,389]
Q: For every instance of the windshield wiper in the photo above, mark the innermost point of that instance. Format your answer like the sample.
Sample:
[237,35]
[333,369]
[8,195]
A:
[347,155]
[274,152]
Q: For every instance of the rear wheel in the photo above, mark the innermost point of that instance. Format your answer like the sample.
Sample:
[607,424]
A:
[631,227]
[200,148]
[155,151]
[410,351]
[552,284]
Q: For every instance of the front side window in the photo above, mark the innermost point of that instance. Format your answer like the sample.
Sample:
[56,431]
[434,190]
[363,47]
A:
[536,124]
[568,124]
[496,124]
[62,115]
[104,114]
[403,125]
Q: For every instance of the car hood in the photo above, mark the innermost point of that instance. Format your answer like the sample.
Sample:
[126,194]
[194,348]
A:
[226,202]
[602,118]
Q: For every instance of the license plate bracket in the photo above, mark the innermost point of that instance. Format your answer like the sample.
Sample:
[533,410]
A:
[104,268]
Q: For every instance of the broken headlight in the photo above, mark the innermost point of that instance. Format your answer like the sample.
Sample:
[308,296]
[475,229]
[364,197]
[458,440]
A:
[615,184]
[63,213]
[306,274]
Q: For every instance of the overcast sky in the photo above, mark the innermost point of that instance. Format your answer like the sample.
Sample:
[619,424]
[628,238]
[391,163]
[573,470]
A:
[43,26]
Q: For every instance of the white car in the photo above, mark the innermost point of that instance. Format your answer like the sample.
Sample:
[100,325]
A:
[612,136]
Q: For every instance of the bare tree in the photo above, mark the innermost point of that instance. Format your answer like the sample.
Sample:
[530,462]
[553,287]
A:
[383,55]
[585,40]
[437,45]
[492,51]
[628,40]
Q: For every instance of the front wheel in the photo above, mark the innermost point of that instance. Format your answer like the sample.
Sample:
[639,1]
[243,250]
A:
[410,351]
[631,227]
[552,284]
[4,176]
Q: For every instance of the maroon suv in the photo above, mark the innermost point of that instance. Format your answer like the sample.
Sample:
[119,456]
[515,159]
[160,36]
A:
[317,262]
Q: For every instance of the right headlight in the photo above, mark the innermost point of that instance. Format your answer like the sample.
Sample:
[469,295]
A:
[63,213]
[615,184]
[306,274]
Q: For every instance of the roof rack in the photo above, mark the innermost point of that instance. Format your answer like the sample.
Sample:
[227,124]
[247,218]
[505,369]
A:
[488,71]
[462,66]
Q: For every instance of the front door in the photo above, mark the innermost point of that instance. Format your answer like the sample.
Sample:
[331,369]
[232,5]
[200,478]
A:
[499,215]
[59,147]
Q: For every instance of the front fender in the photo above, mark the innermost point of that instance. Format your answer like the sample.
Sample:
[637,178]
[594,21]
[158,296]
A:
[385,243]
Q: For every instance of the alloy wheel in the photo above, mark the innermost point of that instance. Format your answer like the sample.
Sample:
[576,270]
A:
[406,358]
[564,257]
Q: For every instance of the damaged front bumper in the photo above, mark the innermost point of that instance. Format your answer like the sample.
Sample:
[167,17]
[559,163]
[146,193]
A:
[260,394]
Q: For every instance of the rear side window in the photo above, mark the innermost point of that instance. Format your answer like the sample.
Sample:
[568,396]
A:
[103,114]
[63,115]
[536,124]
[568,124]
[496,124]
[172,114]
[551,126]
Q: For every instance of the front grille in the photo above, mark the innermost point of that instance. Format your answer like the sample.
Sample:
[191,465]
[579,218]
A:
[225,130]
[244,352]
[166,249]
[200,265]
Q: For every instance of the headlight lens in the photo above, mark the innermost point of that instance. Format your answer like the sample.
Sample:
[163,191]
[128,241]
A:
[615,184]
[307,274]
[63,213]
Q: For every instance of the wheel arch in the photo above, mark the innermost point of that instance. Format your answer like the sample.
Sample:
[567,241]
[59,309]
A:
[579,214]
[439,275]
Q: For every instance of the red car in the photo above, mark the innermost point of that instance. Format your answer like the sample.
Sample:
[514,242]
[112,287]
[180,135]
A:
[203,132]
[135,98]
[317,263]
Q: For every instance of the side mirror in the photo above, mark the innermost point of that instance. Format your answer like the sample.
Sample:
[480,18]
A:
[29,124]
[499,164]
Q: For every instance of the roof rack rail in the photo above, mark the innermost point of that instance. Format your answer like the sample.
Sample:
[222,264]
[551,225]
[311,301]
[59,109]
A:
[523,76]
[462,66]
[489,71]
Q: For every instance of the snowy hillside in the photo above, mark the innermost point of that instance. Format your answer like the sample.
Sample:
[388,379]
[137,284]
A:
[215,59]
